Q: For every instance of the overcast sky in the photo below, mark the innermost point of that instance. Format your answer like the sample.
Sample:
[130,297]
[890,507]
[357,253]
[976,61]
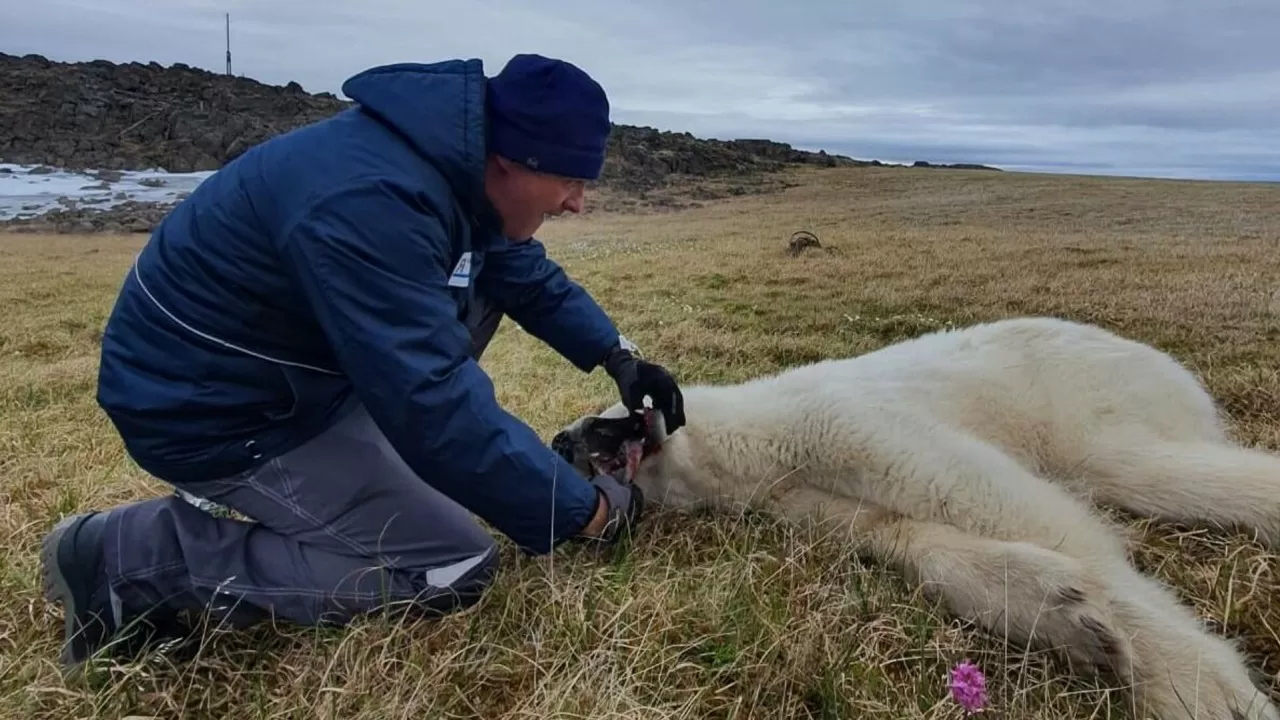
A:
[1173,88]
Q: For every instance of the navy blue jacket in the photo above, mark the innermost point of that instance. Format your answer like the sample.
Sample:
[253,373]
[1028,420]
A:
[315,269]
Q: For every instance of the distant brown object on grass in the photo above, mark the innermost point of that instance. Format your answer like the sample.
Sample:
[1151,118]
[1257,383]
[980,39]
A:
[802,240]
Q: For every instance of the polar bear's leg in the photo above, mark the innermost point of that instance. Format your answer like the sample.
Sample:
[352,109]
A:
[1033,597]
[1196,482]
[1181,669]
[1046,532]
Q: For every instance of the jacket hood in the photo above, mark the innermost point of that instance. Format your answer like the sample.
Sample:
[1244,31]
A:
[439,109]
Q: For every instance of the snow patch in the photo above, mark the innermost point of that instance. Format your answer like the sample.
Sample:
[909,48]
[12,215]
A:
[28,191]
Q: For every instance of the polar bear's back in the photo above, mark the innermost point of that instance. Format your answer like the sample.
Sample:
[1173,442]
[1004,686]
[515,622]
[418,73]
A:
[1035,386]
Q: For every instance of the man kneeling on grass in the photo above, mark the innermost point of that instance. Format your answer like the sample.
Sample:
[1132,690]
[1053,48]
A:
[299,342]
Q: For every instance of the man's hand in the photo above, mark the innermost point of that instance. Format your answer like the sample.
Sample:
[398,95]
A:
[637,378]
[618,511]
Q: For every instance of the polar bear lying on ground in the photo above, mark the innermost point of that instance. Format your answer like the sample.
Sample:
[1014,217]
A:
[967,459]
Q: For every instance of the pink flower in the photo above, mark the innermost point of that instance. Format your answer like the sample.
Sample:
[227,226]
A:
[968,686]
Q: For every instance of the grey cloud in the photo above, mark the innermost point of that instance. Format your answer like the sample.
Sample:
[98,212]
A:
[1166,87]
[993,47]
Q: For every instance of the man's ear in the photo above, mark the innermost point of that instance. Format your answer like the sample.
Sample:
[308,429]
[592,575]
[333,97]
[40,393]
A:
[495,163]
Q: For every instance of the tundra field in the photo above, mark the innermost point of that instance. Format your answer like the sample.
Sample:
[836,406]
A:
[716,617]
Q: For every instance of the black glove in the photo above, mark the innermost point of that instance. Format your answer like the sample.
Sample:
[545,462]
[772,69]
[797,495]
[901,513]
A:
[624,506]
[636,378]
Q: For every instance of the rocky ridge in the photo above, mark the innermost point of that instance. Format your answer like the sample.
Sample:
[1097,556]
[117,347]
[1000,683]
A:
[106,116]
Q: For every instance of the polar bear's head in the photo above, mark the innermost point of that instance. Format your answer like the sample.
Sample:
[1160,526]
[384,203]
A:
[633,448]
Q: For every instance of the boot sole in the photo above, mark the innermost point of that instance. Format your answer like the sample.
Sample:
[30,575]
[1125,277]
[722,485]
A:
[56,588]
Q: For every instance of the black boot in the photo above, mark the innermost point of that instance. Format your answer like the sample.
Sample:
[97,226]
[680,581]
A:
[75,576]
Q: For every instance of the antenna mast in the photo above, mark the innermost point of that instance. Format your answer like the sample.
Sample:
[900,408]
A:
[228,18]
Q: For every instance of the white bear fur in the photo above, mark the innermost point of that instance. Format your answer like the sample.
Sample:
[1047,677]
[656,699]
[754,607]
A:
[968,459]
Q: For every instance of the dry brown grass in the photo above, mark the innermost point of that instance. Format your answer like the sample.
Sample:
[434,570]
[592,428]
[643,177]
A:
[720,617]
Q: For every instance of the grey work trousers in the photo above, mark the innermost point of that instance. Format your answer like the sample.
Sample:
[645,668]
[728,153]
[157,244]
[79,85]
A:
[342,527]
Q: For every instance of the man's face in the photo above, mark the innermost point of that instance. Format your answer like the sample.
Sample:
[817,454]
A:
[524,197]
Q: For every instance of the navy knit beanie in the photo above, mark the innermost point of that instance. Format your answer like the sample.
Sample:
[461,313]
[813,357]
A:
[548,115]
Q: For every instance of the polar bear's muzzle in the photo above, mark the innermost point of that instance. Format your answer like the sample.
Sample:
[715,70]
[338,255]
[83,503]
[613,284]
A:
[609,446]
